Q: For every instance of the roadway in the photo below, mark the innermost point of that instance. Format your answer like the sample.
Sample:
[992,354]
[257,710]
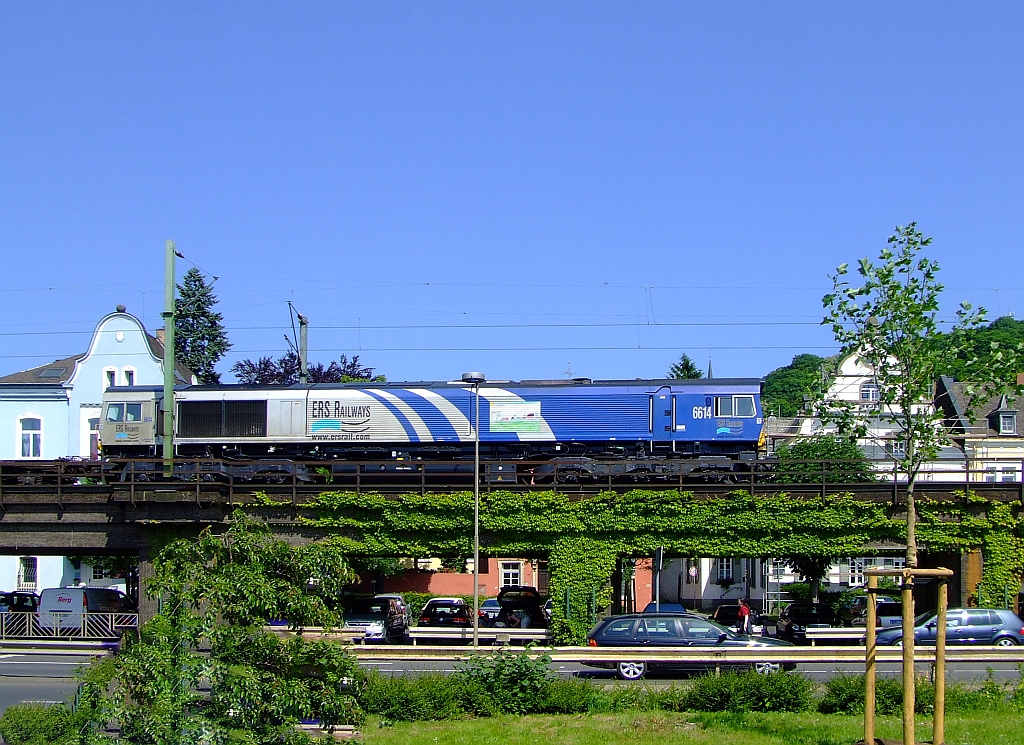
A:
[50,677]
[42,677]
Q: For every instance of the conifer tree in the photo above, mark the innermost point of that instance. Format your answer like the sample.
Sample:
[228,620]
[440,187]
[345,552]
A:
[200,338]
[685,369]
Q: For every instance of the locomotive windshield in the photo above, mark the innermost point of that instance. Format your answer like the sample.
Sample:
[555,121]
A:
[119,412]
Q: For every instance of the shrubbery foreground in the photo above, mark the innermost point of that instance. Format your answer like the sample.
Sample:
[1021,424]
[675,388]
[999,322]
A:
[515,683]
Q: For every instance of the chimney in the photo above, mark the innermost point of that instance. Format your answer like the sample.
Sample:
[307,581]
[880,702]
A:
[159,333]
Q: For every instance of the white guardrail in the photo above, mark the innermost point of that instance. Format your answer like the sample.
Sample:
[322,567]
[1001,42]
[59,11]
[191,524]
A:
[707,656]
[492,635]
[854,634]
[65,625]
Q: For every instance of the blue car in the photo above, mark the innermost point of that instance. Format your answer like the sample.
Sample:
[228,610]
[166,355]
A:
[963,626]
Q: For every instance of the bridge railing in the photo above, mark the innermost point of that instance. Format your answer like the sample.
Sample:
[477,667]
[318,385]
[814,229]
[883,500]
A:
[66,625]
[209,480]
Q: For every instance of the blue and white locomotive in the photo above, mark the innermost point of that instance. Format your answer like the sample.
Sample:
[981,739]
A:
[603,428]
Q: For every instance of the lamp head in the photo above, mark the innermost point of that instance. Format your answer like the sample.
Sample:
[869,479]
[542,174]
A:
[474,378]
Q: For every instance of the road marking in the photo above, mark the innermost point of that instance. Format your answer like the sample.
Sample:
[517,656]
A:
[36,662]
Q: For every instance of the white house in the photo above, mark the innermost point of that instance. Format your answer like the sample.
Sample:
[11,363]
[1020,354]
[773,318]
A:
[53,411]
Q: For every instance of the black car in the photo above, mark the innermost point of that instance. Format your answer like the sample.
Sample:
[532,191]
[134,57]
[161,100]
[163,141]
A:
[447,612]
[520,607]
[997,626]
[18,602]
[798,617]
[684,630]
[728,614]
[379,619]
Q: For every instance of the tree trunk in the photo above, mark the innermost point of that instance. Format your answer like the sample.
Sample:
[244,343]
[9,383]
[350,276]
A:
[815,588]
[911,526]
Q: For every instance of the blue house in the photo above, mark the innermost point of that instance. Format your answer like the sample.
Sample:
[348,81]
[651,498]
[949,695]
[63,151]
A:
[53,411]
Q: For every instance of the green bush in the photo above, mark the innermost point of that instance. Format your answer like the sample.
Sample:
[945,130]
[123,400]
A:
[743,692]
[516,683]
[426,697]
[844,694]
[573,696]
[34,724]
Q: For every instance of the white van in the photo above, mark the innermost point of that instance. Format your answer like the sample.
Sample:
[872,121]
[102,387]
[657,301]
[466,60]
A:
[62,607]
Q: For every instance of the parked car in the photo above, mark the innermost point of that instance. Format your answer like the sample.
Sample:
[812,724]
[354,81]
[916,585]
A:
[997,626]
[18,602]
[728,614]
[379,619]
[664,608]
[62,607]
[403,606]
[489,610]
[672,630]
[887,615]
[447,612]
[520,607]
[798,617]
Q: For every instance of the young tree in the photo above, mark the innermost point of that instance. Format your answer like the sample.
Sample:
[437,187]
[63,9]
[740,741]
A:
[685,369]
[200,338]
[206,669]
[890,322]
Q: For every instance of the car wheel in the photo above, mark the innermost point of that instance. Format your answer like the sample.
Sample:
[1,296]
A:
[898,643]
[766,668]
[632,670]
[1005,641]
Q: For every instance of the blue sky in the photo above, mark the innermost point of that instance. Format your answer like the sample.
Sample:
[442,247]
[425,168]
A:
[519,188]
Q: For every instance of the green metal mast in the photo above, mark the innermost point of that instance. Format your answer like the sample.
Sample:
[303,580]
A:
[168,316]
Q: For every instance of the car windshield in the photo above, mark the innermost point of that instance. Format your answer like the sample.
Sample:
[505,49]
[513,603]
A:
[366,608]
[821,612]
[490,603]
[923,618]
[445,608]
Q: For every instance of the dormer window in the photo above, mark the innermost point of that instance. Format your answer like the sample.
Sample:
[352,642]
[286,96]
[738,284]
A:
[869,393]
[1008,423]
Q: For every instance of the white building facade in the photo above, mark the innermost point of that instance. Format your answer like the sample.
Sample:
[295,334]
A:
[53,411]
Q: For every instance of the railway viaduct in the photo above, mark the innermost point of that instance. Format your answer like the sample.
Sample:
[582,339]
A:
[70,516]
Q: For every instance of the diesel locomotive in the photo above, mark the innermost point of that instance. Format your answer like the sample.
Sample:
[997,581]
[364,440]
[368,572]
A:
[592,428]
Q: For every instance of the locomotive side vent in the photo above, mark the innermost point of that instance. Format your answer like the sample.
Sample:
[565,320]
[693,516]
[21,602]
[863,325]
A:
[222,419]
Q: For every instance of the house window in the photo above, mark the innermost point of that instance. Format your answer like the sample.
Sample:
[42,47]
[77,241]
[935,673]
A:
[898,449]
[111,377]
[94,438]
[28,573]
[869,393]
[97,573]
[129,376]
[511,573]
[1009,474]
[856,572]
[724,571]
[1008,423]
[31,437]
[991,475]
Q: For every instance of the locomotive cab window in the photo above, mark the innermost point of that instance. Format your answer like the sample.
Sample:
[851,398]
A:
[124,413]
[739,406]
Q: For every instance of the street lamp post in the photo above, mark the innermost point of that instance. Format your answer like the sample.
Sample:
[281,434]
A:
[475,379]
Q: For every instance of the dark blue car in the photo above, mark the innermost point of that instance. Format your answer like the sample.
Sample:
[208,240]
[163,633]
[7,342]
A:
[963,626]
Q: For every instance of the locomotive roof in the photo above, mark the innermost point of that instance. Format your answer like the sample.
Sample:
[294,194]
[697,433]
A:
[696,383]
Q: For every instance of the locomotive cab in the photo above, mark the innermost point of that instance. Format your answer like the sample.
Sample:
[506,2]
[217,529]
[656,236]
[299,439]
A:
[130,421]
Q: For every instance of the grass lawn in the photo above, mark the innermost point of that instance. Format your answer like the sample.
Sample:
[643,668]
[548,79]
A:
[658,728]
